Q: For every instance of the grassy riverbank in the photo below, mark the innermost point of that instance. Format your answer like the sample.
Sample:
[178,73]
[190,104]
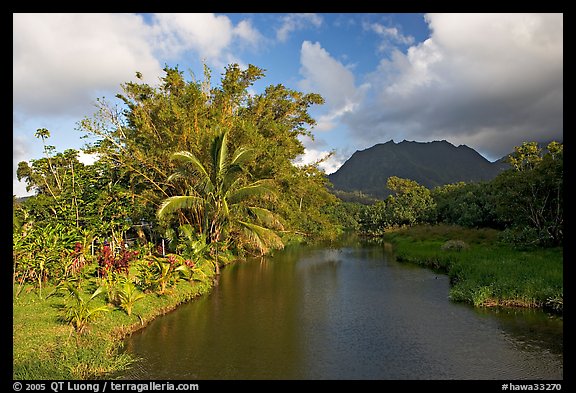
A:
[482,270]
[45,347]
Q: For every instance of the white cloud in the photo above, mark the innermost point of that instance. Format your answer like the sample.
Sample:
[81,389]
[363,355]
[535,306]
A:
[293,22]
[209,35]
[314,151]
[20,151]
[61,61]
[310,156]
[19,189]
[389,35]
[87,158]
[487,80]
[327,76]
[247,33]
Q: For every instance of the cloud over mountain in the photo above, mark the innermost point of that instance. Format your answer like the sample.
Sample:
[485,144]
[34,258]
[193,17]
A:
[487,80]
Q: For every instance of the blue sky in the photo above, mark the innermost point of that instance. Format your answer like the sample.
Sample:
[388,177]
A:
[489,81]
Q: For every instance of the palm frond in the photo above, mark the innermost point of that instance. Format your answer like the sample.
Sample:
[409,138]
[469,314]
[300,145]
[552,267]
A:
[175,176]
[261,238]
[231,177]
[97,292]
[256,188]
[241,156]
[266,217]
[219,154]
[190,158]
[174,203]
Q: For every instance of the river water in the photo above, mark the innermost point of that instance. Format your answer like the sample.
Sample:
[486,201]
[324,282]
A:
[343,311]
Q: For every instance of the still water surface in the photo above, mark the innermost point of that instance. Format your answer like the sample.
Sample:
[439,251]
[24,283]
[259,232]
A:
[344,311]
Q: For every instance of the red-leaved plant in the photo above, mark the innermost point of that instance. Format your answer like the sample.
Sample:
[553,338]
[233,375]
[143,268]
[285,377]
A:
[108,262]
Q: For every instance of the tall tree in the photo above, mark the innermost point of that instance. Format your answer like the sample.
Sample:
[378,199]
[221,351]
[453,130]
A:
[531,194]
[411,202]
[152,123]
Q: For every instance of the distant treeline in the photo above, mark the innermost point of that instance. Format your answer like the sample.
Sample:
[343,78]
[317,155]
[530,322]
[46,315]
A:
[526,201]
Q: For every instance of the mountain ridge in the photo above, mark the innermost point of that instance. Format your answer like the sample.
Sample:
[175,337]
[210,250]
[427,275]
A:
[429,163]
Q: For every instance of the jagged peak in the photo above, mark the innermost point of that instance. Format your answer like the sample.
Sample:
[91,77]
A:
[430,163]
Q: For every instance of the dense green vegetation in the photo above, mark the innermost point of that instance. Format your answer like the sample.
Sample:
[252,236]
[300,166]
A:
[525,201]
[499,241]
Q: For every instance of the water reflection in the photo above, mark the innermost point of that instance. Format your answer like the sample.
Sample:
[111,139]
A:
[529,329]
[343,311]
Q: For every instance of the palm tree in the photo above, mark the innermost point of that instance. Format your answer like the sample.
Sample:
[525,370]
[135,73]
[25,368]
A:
[222,195]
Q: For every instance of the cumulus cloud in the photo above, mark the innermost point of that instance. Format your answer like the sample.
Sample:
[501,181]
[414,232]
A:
[294,22]
[321,71]
[87,158]
[327,76]
[248,33]
[487,80]
[19,150]
[330,165]
[61,61]
[209,35]
[315,150]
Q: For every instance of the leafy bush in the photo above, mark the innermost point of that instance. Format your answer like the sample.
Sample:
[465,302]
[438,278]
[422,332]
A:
[160,273]
[44,252]
[108,262]
[128,294]
[524,237]
[454,245]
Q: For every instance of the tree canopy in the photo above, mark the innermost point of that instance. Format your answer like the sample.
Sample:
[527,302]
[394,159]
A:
[140,137]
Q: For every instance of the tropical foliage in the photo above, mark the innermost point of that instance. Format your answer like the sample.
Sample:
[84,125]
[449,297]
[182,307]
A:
[529,197]
[220,198]
[186,118]
[79,311]
[188,176]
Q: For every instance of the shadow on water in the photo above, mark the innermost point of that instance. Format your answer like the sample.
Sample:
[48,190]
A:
[343,310]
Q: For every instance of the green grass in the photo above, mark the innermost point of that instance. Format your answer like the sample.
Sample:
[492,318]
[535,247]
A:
[487,272]
[45,347]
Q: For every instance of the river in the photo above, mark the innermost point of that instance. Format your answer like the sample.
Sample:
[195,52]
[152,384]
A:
[343,311]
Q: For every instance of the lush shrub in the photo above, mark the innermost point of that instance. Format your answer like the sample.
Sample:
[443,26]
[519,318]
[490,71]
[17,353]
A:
[454,245]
